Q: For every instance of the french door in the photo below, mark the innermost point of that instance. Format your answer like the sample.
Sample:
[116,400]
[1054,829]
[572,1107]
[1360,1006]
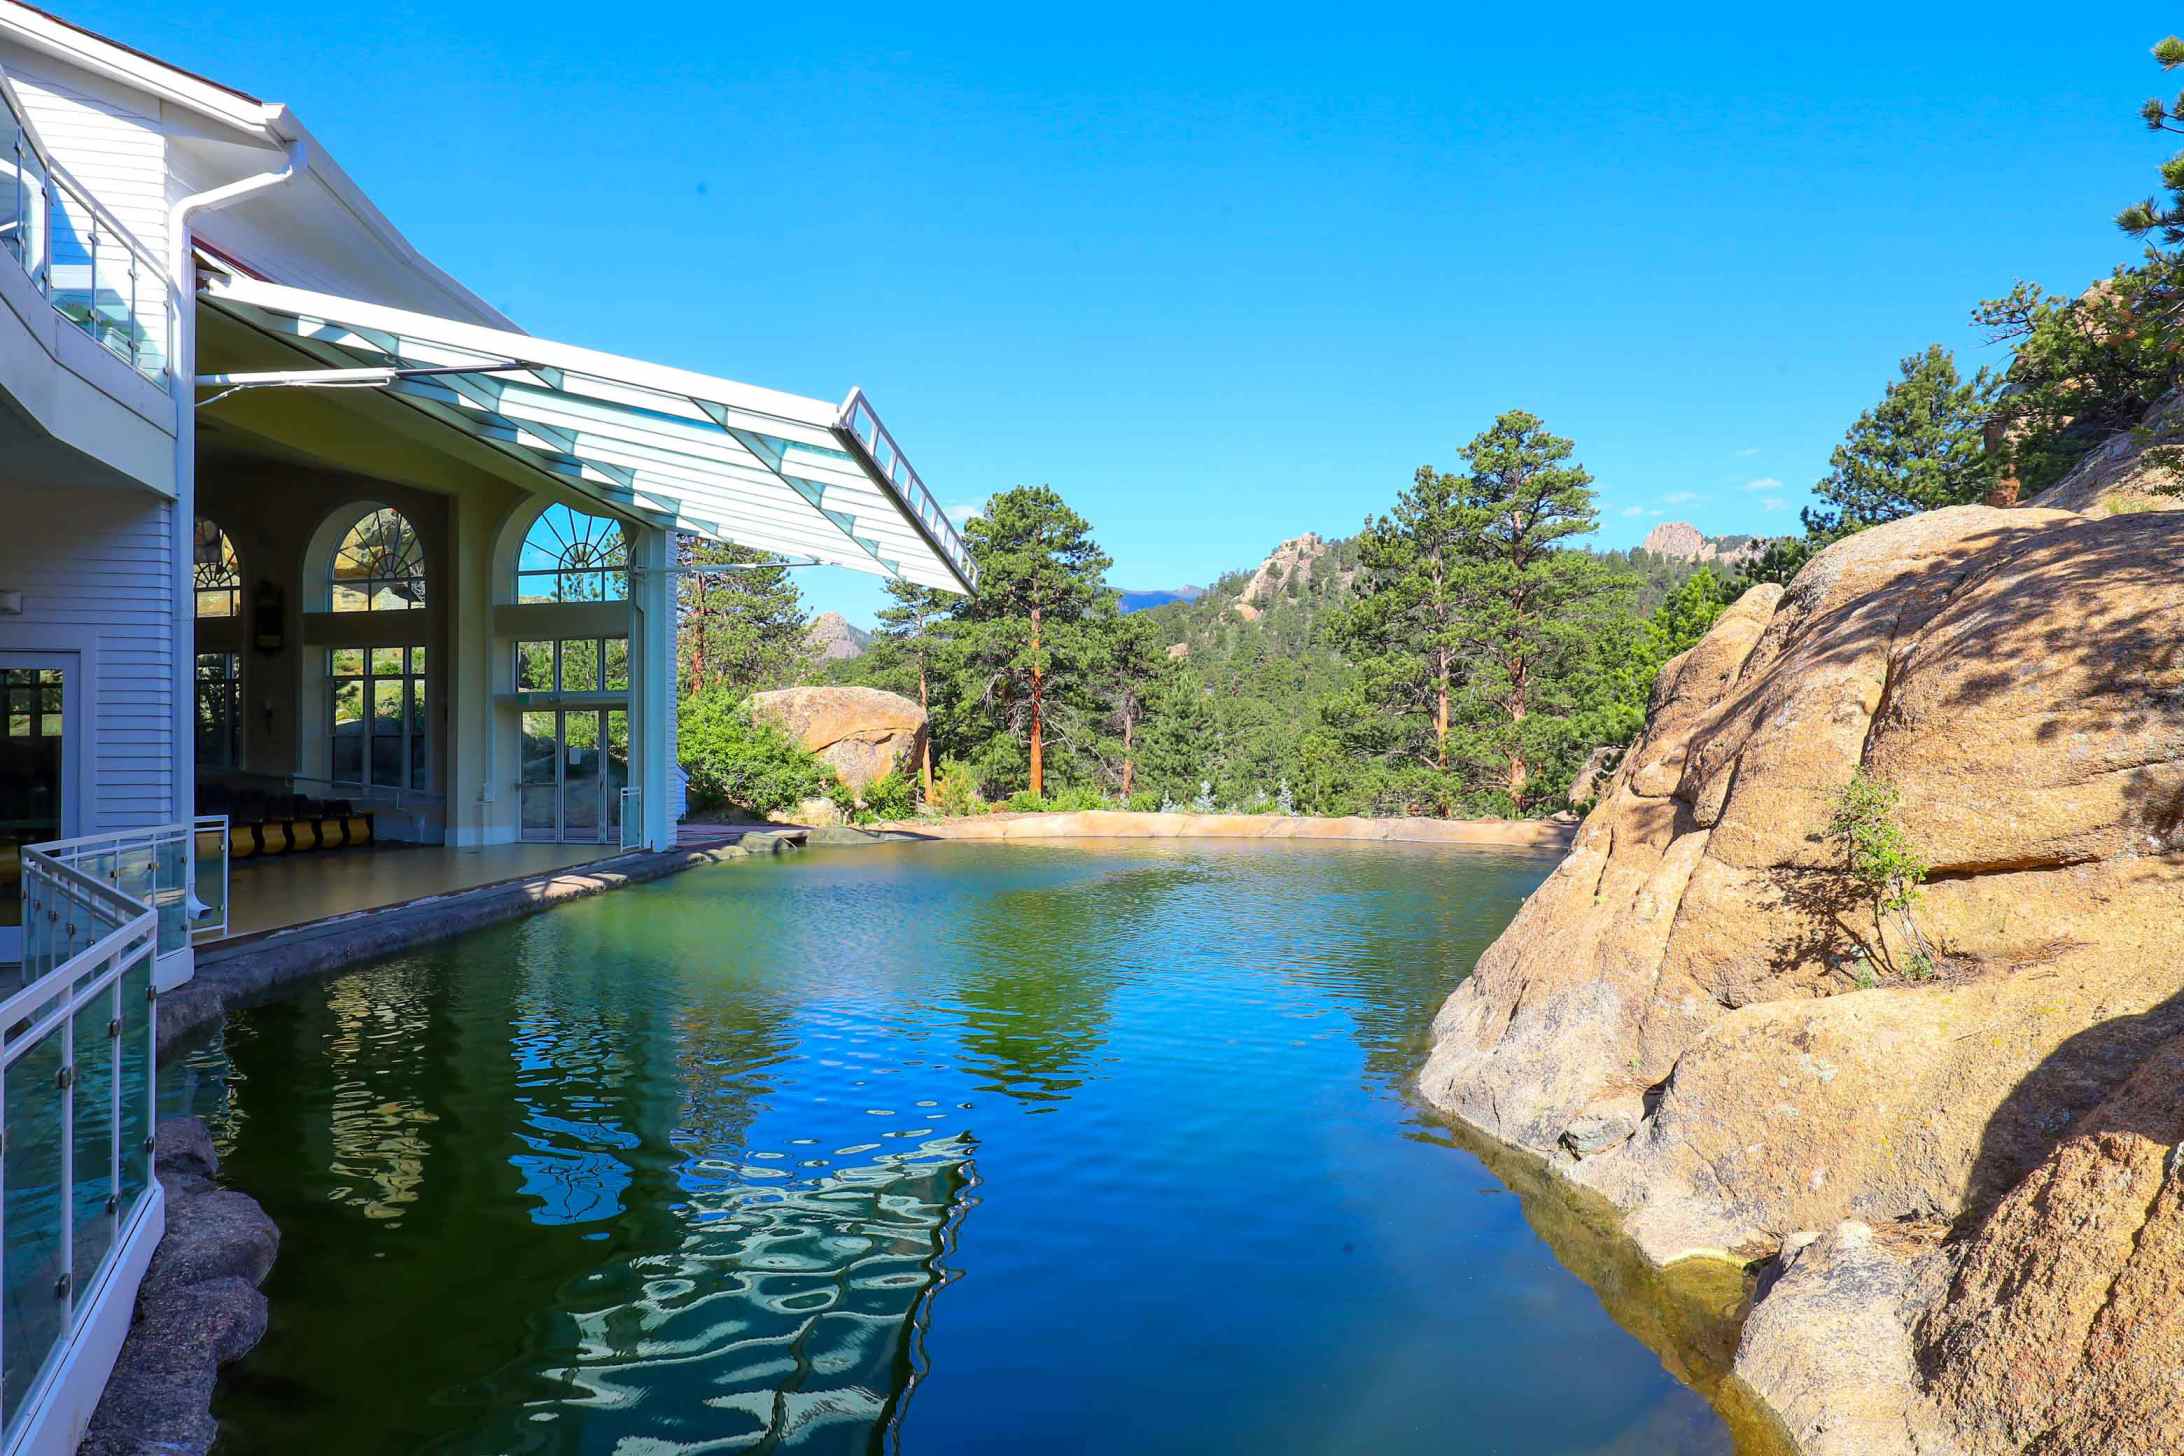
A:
[39,758]
[575,766]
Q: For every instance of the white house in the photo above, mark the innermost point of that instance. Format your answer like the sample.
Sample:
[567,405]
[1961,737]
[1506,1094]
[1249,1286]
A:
[297,529]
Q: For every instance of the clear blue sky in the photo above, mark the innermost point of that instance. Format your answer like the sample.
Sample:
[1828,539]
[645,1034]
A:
[1221,279]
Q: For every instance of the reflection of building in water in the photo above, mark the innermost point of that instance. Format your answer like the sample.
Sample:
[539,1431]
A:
[378,1127]
[794,1314]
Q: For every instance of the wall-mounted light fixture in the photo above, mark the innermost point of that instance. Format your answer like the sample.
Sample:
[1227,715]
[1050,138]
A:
[11,604]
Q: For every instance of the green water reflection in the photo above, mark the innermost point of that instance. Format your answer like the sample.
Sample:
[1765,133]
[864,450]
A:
[935,1149]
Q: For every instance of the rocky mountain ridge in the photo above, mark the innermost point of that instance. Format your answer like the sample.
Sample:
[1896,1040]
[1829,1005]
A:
[1682,541]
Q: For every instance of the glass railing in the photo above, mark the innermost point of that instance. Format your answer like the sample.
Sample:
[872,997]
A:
[179,871]
[633,818]
[87,264]
[76,1090]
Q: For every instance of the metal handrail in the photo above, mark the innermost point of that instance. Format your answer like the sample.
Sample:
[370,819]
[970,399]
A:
[56,183]
[863,425]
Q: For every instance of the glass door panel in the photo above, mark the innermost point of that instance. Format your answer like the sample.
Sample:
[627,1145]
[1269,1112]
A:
[580,774]
[540,790]
[37,773]
[617,769]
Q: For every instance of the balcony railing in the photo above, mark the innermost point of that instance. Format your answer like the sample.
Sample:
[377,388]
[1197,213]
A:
[179,870]
[78,1202]
[88,265]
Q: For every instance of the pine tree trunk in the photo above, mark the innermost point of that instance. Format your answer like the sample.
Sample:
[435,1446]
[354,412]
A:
[1440,711]
[1038,710]
[1519,771]
[925,749]
[1127,765]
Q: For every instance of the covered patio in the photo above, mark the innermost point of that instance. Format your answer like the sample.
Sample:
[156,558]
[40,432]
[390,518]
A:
[437,579]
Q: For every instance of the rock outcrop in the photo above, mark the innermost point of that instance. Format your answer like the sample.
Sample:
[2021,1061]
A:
[2133,470]
[1683,541]
[197,1309]
[833,639]
[1695,1017]
[862,732]
[1292,561]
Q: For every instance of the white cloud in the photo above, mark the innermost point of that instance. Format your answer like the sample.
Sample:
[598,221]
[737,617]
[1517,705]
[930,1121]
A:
[1747,452]
[962,513]
[1632,511]
[1773,503]
[1679,497]
[1764,482]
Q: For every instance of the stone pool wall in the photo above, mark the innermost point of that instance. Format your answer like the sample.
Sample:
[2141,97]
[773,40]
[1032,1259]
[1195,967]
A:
[1548,834]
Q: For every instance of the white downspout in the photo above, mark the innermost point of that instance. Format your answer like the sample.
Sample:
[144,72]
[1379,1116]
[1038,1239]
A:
[182,362]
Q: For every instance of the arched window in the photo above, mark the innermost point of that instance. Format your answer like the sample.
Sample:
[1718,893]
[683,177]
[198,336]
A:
[379,566]
[568,556]
[219,574]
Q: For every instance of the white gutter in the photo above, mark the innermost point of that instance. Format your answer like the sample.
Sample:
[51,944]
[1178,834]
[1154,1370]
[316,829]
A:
[182,366]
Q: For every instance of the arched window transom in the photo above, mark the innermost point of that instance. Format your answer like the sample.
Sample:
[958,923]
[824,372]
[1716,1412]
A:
[568,556]
[379,566]
[219,574]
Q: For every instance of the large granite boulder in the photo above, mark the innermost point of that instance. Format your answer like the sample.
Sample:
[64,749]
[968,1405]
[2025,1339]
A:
[862,732]
[1696,1017]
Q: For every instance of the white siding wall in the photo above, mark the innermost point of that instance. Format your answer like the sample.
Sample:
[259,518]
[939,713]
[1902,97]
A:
[119,155]
[100,563]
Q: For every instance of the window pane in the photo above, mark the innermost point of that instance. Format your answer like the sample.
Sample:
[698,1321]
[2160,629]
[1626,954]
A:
[417,659]
[580,665]
[387,761]
[420,738]
[349,755]
[386,662]
[539,748]
[350,599]
[617,664]
[348,704]
[387,707]
[534,667]
[348,661]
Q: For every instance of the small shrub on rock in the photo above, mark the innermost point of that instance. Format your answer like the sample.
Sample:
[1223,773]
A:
[734,763]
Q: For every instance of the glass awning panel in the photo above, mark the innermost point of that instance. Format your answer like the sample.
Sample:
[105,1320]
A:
[735,462]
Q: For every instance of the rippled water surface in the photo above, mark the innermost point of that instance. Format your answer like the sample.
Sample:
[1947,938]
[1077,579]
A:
[936,1148]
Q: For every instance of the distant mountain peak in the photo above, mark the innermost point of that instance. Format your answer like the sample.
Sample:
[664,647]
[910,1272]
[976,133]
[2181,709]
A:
[1682,541]
[1144,600]
[1292,561]
[833,639]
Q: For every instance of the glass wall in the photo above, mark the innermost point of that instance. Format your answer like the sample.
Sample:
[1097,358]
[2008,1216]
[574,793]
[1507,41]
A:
[219,710]
[380,732]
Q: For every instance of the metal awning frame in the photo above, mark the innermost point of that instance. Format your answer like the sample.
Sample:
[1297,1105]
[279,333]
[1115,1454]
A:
[792,476]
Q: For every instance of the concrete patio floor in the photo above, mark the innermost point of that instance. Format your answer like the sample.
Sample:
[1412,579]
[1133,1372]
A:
[272,894]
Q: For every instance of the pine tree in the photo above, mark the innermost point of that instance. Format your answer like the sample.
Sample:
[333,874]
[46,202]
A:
[745,629]
[909,624]
[1922,447]
[1137,662]
[1026,651]
[1533,605]
[1404,631]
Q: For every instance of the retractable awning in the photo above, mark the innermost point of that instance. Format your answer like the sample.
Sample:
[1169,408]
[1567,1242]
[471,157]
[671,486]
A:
[735,462]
